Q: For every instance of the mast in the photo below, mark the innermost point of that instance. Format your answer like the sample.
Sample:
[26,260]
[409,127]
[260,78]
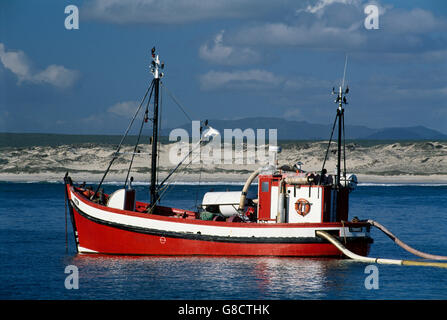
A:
[339,115]
[155,69]
[341,99]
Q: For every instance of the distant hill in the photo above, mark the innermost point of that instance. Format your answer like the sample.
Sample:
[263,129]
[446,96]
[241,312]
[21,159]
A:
[303,130]
[22,140]
[408,133]
[287,130]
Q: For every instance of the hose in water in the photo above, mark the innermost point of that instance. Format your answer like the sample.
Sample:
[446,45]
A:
[404,245]
[356,257]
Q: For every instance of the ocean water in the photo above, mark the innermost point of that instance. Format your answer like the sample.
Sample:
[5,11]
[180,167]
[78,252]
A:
[34,253]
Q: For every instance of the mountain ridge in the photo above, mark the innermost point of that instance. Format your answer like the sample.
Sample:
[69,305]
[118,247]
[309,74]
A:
[303,130]
[288,130]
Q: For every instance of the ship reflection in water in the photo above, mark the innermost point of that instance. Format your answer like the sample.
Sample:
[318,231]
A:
[156,277]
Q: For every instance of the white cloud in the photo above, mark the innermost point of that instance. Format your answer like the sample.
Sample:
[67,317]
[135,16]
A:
[177,11]
[18,63]
[15,61]
[318,24]
[293,113]
[320,6]
[317,35]
[126,109]
[410,32]
[415,21]
[305,83]
[227,55]
[253,79]
[55,75]
[256,79]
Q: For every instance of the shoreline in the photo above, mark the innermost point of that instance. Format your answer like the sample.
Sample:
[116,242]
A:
[386,163]
[208,178]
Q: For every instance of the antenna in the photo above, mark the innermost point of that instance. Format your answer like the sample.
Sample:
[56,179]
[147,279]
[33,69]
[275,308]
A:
[340,100]
[342,92]
[344,72]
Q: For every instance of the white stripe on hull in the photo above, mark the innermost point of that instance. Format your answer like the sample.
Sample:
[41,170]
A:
[222,231]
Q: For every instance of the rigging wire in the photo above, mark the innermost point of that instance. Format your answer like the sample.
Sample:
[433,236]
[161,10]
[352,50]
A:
[162,185]
[165,187]
[139,136]
[182,108]
[176,101]
[115,155]
[181,162]
[343,122]
[159,126]
[200,173]
[200,181]
[344,147]
[329,144]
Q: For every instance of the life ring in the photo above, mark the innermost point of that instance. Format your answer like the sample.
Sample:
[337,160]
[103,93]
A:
[302,206]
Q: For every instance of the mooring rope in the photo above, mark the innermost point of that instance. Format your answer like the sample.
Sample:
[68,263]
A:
[356,257]
[66,225]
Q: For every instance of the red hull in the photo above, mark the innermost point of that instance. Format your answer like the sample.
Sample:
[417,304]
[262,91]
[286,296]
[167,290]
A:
[112,231]
[100,238]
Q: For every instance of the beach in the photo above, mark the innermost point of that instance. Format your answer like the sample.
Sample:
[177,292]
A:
[397,162]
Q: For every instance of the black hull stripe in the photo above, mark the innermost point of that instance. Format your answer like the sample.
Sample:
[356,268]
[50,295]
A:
[209,238]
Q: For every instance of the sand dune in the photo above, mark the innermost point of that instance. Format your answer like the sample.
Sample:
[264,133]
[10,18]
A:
[394,162]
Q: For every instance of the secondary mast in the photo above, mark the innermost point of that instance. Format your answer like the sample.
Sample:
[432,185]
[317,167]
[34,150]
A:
[341,100]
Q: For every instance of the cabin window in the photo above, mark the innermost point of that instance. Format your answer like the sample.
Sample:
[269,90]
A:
[265,186]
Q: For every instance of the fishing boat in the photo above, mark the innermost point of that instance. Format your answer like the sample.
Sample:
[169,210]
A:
[283,218]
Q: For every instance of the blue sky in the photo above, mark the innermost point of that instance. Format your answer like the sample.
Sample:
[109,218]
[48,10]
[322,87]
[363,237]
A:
[225,59]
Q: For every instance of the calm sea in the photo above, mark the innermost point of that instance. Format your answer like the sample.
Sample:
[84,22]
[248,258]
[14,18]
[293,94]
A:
[33,253]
